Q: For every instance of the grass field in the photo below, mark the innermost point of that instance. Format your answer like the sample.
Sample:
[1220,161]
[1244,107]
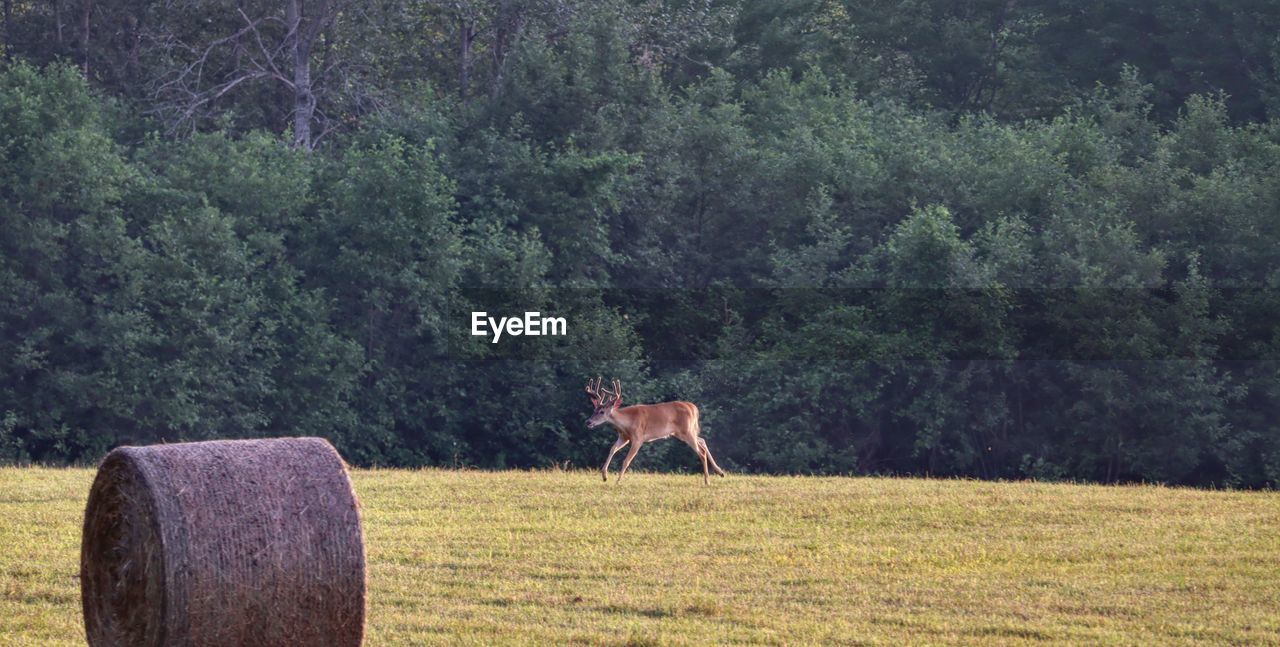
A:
[559,557]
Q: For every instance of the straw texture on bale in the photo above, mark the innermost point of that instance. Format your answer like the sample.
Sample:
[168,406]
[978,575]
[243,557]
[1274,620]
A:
[236,542]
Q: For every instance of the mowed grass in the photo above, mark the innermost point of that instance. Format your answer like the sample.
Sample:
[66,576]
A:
[540,558]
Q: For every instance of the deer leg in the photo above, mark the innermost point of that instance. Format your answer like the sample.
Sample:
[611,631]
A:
[703,444]
[695,444]
[626,462]
[617,444]
[706,475]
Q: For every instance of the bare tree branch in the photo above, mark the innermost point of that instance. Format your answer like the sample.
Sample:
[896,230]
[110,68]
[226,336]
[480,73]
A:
[276,48]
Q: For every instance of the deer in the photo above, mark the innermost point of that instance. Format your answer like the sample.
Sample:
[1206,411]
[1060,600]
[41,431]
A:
[641,423]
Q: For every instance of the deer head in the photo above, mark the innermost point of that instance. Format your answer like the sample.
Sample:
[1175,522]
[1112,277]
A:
[604,401]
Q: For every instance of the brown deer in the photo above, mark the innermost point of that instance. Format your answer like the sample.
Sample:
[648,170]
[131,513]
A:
[641,423]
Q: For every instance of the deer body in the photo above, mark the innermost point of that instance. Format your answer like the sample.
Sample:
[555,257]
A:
[641,423]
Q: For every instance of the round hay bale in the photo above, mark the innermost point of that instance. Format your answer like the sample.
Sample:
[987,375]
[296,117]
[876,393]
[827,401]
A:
[230,542]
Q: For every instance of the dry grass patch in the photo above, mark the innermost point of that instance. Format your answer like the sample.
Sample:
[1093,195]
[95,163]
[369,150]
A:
[559,557]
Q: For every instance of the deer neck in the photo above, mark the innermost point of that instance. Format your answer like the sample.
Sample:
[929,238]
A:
[622,420]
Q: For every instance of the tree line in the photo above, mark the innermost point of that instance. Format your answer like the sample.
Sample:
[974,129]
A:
[1059,224]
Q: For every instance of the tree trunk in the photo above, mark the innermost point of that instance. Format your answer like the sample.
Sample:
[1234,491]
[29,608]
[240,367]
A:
[464,58]
[84,35]
[133,66]
[506,39]
[304,100]
[57,18]
[8,32]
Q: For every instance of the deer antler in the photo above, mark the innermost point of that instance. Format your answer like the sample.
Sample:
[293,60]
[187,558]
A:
[600,395]
[593,390]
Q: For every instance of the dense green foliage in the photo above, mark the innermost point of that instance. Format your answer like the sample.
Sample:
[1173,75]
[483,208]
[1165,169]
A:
[1093,188]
